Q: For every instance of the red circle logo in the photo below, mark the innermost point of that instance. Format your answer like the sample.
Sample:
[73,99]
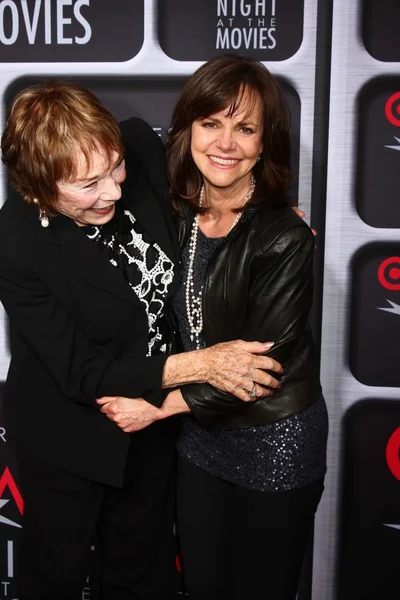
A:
[178,563]
[392,453]
[389,275]
[392,111]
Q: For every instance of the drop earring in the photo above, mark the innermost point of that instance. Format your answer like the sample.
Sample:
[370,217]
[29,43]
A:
[43,218]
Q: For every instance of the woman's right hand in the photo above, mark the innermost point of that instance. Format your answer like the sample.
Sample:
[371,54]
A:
[239,368]
[236,367]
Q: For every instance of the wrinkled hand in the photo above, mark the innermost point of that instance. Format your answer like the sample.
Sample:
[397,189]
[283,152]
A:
[236,367]
[130,414]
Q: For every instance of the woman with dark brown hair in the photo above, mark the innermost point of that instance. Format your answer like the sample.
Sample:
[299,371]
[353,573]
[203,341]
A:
[249,476]
[88,263]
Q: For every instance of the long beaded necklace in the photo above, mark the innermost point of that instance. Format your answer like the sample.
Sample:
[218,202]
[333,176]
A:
[194,301]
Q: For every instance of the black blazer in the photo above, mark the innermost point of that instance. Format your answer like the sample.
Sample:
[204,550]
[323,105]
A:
[77,330]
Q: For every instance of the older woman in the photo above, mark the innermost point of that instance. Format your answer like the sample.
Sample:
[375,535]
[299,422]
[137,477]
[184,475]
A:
[85,280]
[249,476]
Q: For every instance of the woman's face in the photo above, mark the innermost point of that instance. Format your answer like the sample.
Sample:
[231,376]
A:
[226,148]
[90,199]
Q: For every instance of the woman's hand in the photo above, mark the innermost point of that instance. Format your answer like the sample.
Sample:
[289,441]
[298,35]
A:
[130,414]
[302,214]
[233,367]
[238,368]
[134,414]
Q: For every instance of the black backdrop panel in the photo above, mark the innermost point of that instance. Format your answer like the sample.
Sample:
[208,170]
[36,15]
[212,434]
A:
[263,29]
[82,31]
[375,315]
[11,511]
[370,519]
[153,100]
[378,153]
[380,29]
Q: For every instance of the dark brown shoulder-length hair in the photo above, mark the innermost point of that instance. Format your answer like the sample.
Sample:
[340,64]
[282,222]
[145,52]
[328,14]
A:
[47,126]
[218,84]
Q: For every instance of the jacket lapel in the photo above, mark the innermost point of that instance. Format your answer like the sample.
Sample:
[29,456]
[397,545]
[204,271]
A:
[82,257]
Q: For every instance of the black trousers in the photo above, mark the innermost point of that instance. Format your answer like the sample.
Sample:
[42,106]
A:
[134,528]
[240,544]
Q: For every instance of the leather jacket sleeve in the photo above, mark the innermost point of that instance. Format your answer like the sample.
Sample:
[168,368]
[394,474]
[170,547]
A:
[279,301]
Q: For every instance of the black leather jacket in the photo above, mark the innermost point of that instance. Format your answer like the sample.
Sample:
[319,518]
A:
[259,287]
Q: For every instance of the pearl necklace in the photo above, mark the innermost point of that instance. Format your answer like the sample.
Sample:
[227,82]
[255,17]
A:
[194,301]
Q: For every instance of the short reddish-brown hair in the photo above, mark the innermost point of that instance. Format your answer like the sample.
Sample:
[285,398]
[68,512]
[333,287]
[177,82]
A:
[217,85]
[47,126]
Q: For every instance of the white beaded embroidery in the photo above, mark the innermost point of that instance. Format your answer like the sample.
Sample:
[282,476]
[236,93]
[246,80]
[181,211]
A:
[153,287]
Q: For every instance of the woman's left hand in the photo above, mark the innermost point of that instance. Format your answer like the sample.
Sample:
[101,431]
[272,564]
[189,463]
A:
[302,214]
[130,414]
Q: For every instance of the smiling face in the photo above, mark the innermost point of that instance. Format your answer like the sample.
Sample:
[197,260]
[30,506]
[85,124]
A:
[225,147]
[90,198]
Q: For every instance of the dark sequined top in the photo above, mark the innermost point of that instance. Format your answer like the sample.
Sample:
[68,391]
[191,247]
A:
[284,455]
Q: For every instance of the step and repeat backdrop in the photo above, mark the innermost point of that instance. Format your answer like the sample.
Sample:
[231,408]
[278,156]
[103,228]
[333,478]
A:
[358,524]
[338,63]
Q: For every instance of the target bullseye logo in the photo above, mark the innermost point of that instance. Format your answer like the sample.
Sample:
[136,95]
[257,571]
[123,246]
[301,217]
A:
[392,453]
[392,109]
[389,273]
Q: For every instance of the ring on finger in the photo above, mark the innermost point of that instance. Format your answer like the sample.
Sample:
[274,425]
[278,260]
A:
[252,392]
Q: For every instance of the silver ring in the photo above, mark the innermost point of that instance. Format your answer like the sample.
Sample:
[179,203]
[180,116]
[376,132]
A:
[252,393]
